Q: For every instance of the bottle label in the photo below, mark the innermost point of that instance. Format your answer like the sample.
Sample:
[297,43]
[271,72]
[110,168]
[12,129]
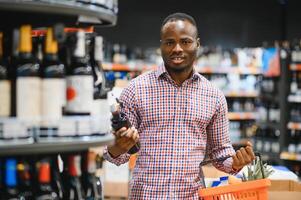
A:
[53,98]
[5,89]
[29,99]
[79,94]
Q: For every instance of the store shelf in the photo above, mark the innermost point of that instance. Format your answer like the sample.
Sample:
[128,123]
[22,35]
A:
[290,156]
[228,70]
[294,98]
[128,67]
[269,97]
[236,116]
[275,125]
[295,67]
[83,12]
[294,125]
[56,145]
[240,94]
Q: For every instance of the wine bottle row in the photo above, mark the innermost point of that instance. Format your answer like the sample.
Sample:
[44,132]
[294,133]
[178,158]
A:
[67,176]
[40,85]
[266,140]
[241,104]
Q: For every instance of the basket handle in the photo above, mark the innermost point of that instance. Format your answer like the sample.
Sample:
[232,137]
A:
[205,162]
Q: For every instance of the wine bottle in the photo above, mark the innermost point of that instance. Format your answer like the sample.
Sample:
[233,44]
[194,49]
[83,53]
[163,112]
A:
[5,87]
[73,184]
[79,80]
[28,82]
[11,191]
[100,102]
[57,183]
[91,183]
[45,190]
[53,86]
[25,181]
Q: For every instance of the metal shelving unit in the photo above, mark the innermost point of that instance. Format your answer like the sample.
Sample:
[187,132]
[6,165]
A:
[56,145]
[44,13]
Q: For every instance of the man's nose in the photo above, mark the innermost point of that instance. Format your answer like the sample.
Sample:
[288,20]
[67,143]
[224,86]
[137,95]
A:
[177,48]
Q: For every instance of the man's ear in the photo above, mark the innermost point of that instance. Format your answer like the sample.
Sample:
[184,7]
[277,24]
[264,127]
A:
[198,42]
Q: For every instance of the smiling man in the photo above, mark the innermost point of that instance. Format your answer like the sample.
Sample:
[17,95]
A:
[178,117]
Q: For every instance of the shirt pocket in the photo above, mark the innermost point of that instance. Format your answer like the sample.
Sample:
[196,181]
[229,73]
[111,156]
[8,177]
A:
[199,113]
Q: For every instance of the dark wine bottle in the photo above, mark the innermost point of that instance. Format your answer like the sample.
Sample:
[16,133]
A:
[25,180]
[79,80]
[45,190]
[53,86]
[73,183]
[28,82]
[91,183]
[5,87]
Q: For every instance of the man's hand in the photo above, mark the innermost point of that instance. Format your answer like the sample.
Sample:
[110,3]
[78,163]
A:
[125,139]
[243,156]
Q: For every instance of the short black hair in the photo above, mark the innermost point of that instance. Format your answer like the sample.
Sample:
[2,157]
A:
[180,16]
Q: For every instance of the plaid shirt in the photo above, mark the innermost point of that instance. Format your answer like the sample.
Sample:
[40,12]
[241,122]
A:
[177,126]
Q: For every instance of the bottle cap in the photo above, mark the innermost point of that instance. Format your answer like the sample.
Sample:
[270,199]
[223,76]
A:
[74,165]
[11,173]
[51,45]
[25,45]
[80,50]
[44,172]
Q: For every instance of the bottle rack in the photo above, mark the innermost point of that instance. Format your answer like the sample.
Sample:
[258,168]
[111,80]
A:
[241,103]
[291,151]
[79,131]
[266,139]
[46,12]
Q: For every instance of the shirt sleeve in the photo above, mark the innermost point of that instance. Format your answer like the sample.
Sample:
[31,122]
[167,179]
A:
[219,137]
[127,98]
[123,158]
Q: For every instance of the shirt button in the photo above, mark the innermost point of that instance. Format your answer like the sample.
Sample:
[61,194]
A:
[172,195]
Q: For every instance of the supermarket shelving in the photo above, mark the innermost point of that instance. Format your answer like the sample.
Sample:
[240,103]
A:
[46,12]
[290,156]
[56,145]
[241,116]
[294,125]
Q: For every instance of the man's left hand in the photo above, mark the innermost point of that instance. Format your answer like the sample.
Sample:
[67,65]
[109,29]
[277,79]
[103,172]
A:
[243,156]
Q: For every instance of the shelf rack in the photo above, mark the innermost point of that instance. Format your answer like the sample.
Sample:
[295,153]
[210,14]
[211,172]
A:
[56,145]
[44,13]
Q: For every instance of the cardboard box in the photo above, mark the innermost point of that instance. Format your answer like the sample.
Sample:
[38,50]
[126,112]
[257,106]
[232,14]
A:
[116,180]
[284,189]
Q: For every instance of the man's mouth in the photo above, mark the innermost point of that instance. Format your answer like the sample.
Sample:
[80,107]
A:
[177,59]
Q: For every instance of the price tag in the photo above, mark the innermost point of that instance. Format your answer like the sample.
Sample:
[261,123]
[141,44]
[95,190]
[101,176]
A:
[13,128]
[67,127]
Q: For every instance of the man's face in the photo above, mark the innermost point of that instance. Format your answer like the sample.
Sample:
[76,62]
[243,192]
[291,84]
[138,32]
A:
[179,45]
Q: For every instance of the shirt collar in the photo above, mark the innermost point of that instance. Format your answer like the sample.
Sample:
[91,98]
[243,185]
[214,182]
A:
[161,71]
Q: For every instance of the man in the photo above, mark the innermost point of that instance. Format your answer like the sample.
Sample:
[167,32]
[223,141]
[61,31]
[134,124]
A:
[178,117]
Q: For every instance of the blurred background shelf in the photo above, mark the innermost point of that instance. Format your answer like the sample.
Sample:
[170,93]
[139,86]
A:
[294,125]
[290,156]
[294,98]
[55,145]
[43,13]
[242,115]
[295,67]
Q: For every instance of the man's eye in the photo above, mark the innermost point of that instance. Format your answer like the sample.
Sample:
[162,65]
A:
[169,43]
[185,42]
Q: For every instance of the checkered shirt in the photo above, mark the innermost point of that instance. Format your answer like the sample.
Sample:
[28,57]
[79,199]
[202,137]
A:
[177,126]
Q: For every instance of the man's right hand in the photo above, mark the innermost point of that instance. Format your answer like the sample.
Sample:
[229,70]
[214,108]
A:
[125,139]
